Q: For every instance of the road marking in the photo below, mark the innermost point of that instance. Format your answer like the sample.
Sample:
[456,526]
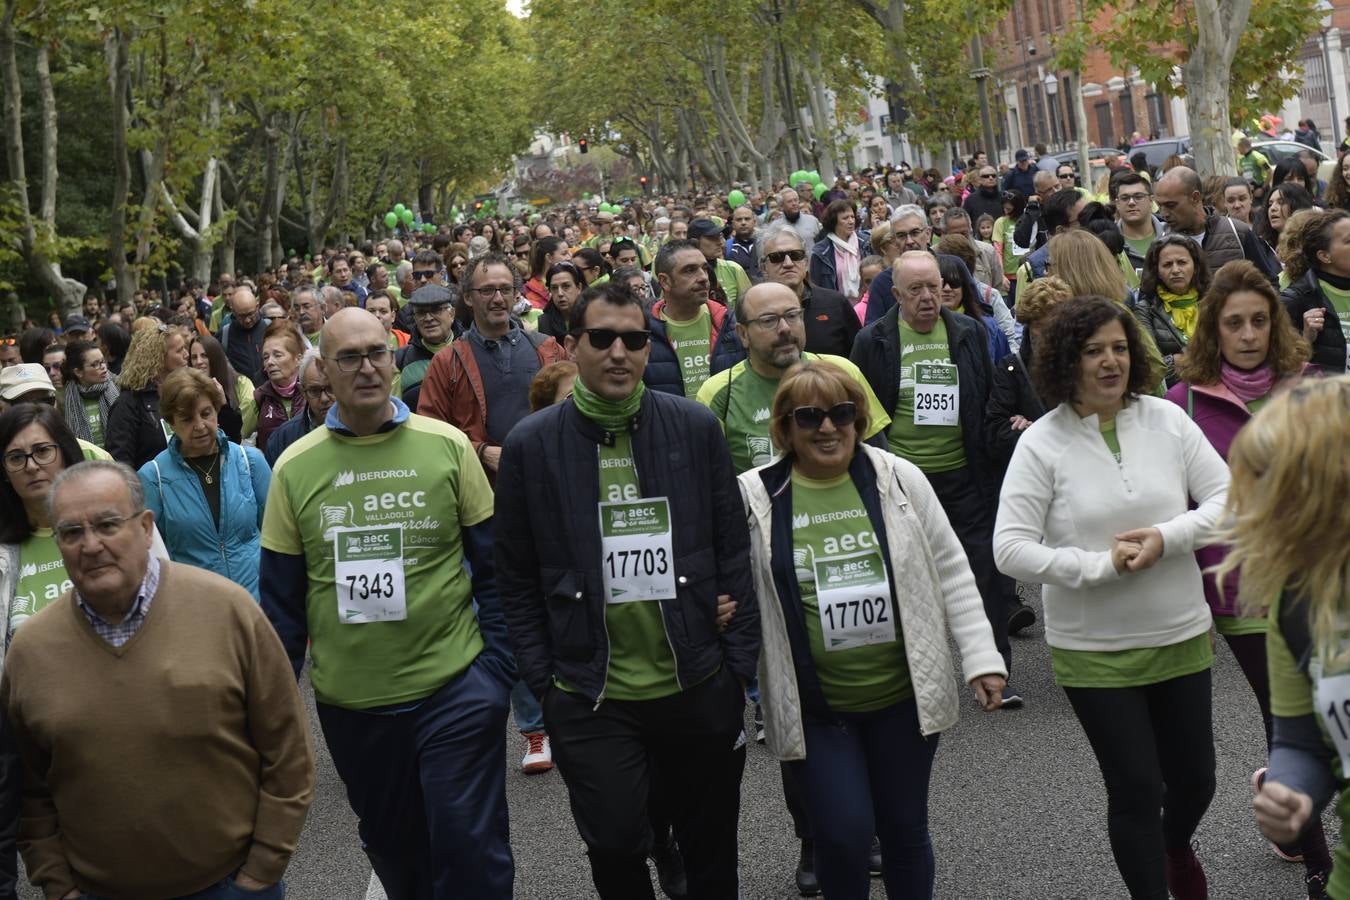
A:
[376,890]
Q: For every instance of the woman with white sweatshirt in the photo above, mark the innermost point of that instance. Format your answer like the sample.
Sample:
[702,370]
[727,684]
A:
[1096,507]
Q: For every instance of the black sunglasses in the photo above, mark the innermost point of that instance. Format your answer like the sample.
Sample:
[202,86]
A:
[811,418]
[601,338]
[777,256]
[425,274]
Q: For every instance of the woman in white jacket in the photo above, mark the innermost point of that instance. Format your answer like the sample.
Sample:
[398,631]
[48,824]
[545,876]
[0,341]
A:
[1096,507]
[860,579]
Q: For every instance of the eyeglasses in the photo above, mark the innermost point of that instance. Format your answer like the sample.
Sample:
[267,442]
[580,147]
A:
[810,418]
[777,256]
[318,393]
[380,358]
[913,234]
[769,321]
[104,529]
[487,293]
[425,274]
[602,338]
[1131,199]
[988,175]
[1065,174]
[41,455]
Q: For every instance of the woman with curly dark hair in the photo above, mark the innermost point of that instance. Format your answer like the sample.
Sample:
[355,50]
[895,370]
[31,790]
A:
[839,249]
[1338,185]
[1174,278]
[1319,302]
[1097,489]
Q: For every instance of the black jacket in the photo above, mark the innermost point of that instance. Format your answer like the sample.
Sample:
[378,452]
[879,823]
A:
[1306,294]
[134,434]
[292,430]
[552,322]
[243,348]
[982,201]
[876,351]
[1151,314]
[548,543]
[831,323]
[1010,394]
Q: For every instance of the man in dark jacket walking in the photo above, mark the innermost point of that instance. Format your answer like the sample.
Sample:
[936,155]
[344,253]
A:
[619,529]
[242,338]
[937,409]
[831,323]
[987,198]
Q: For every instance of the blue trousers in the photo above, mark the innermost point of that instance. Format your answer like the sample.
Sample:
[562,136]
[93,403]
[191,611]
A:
[226,889]
[867,774]
[529,717]
[428,783]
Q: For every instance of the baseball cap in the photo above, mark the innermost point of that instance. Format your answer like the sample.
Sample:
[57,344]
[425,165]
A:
[77,323]
[700,228]
[1021,156]
[431,295]
[23,379]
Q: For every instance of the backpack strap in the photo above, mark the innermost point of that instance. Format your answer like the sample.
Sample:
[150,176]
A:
[159,482]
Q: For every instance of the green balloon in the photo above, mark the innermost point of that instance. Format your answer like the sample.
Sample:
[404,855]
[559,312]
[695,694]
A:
[406,216]
[813,176]
[736,198]
[819,191]
[399,208]
[428,228]
[585,195]
[391,219]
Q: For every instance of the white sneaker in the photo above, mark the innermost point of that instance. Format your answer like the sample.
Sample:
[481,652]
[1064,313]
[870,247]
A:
[538,754]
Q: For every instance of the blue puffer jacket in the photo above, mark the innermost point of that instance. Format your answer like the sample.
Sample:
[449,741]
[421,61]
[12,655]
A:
[663,365]
[174,494]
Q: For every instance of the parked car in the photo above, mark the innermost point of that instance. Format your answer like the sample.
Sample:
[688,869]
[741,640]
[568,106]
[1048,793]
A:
[1278,151]
[1156,152]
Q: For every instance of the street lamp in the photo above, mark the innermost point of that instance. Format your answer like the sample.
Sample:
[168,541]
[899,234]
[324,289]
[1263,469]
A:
[1325,8]
[1051,89]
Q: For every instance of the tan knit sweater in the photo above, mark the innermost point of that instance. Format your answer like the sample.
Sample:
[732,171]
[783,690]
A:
[155,769]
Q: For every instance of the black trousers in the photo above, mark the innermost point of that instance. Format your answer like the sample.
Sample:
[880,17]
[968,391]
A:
[1155,747]
[972,518]
[690,747]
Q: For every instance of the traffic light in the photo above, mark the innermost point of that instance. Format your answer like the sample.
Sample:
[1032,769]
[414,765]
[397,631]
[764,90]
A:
[585,147]
[642,180]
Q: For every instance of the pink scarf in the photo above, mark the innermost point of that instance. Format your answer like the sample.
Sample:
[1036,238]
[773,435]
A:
[289,390]
[1247,385]
[846,264]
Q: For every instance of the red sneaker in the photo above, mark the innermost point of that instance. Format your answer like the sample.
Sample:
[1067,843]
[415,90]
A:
[1185,877]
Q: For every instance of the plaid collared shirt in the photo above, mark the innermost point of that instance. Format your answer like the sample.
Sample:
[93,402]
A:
[119,634]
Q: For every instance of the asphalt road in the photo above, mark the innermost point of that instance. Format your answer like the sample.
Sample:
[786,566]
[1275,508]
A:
[1018,812]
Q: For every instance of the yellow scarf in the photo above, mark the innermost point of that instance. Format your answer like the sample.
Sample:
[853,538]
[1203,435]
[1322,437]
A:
[1182,308]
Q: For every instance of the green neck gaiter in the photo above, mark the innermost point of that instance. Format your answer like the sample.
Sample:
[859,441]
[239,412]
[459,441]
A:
[608,414]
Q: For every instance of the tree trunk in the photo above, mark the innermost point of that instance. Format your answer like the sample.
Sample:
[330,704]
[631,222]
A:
[46,271]
[1206,74]
[262,227]
[116,47]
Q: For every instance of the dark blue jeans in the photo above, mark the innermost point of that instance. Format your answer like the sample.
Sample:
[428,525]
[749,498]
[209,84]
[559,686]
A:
[867,774]
[225,889]
[428,784]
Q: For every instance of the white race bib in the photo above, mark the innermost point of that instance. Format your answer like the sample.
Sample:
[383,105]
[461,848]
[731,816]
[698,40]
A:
[368,568]
[854,596]
[937,399]
[1331,697]
[636,557]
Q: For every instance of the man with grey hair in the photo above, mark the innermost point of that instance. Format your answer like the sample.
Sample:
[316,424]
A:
[225,727]
[318,399]
[330,301]
[831,323]
[801,220]
[1028,235]
[910,227]
[307,313]
[395,250]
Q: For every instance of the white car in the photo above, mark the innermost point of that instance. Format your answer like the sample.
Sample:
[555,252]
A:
[1278,151]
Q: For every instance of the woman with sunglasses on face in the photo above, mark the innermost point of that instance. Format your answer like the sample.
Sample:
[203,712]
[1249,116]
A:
[1096,506]
[858,572]
[90,392]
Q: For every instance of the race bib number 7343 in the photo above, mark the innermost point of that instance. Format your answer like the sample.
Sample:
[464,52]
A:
[368,568]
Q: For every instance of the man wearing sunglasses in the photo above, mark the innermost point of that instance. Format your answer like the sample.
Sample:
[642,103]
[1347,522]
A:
[937,406]
[829,320]
[692,336]
[619,528]
[369,523]
[433,312]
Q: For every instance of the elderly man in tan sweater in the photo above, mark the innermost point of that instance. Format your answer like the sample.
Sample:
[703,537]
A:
[163,741]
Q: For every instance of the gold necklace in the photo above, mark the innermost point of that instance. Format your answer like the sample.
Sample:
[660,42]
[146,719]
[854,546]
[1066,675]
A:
[205,473]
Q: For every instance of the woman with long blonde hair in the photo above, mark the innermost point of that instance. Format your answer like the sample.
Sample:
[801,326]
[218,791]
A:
[135,432]
[1287,502]
[1086,265]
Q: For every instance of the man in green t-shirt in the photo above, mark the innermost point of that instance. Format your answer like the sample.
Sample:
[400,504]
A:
[369,523]
[727,281]
[770,325]
[619,529]
[1133,197]
[685,320]
[930,368]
